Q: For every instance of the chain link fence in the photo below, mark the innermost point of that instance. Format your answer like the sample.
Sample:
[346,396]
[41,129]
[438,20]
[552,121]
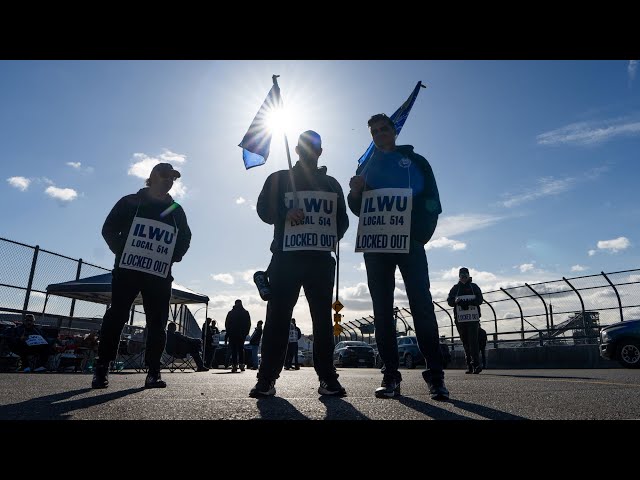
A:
[566,311]
[25,272]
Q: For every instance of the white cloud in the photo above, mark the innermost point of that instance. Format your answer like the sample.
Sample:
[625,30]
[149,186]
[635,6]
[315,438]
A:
[457,224]
[362,267]
[591,253]
[444,242]
[615,245]
[525,267]
[62,194]
[171,157]
[223,277]
[631,70]
[21,183]
[589,133]
[240,201]
[578,268]
[75,165]
[546,186]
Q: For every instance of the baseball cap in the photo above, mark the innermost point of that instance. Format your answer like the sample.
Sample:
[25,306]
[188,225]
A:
[165,170]
[464,272]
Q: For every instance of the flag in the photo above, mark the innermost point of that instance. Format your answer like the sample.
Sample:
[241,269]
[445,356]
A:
[398,119]
[257,141]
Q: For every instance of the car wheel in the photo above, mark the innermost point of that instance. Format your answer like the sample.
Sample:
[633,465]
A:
[408,361]
[629,354]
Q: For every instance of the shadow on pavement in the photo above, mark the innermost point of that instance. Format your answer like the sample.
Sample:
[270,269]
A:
[276,408]
[54,407]
[338,409]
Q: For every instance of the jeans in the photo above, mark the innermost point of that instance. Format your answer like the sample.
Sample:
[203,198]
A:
[381,268]
[288,272]
[469,335]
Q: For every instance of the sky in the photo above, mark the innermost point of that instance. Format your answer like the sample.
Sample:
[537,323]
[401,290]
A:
[536,161]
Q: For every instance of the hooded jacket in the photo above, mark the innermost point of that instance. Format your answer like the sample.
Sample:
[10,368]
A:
[118,223]
[238,322]
[271,205]
[426,204]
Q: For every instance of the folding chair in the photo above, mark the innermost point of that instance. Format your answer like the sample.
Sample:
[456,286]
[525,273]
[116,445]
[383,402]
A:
[130,355]
[177,361]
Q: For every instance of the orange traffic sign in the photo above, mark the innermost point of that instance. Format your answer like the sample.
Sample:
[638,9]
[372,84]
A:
[337,306]
[337,317]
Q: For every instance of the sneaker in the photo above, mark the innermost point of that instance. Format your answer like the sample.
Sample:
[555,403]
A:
[202,369]
[264,388]
[100,377]
[27,370]
[297,367]
[469,369]
[389,388]
[331,387]
[437,390]
[241,367]
[477,369]
[234,369]
[40,369]
[154,380]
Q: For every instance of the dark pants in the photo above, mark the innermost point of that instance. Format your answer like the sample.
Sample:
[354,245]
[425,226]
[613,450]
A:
[469,335]
[381,268]
[288,272]
[292,355]
[156,294]
[237,350]
[209,355]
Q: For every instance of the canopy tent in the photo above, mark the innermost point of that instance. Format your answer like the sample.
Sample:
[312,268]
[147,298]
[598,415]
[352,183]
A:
[97,289]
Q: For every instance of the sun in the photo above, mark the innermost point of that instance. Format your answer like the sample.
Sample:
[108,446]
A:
[281,120]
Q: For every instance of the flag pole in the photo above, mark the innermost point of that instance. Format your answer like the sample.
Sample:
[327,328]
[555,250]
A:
[286,143]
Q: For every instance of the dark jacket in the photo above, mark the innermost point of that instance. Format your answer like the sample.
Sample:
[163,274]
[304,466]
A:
[256,336]
[482,338]
[468,288]
[426,205]
[22,330]
[179,344]
[208,331]
[238,322]
[118,223]
[272,209]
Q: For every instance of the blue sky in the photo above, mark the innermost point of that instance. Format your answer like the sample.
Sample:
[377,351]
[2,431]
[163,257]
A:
[536,161]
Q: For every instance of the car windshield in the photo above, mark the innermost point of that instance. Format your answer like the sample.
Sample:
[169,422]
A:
[353,343]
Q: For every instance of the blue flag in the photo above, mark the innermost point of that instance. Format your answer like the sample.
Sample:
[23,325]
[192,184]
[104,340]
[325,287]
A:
[257,141]
[398,119]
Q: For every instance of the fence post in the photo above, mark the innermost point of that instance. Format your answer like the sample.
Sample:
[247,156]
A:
[519,308]
[584,320]
[615,290]
[495,324]
[546,312]
[31,274]
[73,301]
[450,318]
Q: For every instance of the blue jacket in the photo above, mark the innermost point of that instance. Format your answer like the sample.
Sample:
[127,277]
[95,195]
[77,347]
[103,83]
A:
[426,204]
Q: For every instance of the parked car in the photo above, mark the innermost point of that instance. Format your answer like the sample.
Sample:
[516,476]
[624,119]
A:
[354,353]
[621,342]
[409,353]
